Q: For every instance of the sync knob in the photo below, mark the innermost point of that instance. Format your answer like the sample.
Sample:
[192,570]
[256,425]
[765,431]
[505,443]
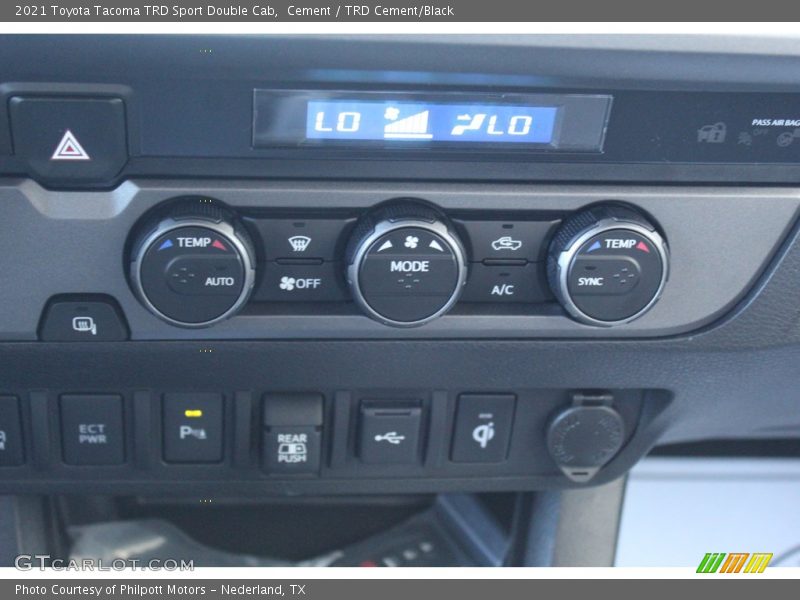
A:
[194,266]
[607,265]
[405,266]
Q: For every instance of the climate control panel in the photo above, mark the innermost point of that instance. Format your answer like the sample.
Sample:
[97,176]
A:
[195,262]
[302,260]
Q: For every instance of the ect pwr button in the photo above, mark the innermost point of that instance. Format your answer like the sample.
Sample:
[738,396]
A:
[92,429]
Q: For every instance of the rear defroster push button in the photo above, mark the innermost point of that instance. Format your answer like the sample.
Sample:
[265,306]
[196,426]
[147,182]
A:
[292,433]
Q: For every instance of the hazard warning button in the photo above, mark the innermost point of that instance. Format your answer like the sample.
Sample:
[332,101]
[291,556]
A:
[69,142]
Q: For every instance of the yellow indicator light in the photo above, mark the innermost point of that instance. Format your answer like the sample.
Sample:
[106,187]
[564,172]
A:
[193,414]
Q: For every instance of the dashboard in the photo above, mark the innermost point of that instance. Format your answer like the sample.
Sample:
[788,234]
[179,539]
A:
[299,265]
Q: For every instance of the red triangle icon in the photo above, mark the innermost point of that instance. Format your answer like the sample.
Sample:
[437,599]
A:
[643,247]
[69,148]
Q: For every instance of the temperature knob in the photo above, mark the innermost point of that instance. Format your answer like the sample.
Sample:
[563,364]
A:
[608,265]
[406,267]
[193,267]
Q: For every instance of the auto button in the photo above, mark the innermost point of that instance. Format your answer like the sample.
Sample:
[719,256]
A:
[195,266]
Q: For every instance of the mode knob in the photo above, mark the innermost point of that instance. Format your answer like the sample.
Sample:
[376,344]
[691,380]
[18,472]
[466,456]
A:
[608,265]
[194,266]
[405,266]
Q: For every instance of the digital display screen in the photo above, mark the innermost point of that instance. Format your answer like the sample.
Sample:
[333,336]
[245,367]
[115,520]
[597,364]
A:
[365,122]
[432,122]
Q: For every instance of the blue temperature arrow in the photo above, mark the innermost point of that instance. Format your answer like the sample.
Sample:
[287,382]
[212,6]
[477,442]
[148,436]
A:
[593,247]
[165,244]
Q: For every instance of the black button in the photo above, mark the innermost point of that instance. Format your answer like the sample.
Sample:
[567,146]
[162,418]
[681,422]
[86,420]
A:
[293,409]
[483,428]
[615,275]
[292,439]
[192,274]
[193,428]
[292,450]
[507,239]
[92,429]
[92,320]
[409,262]
[11,449]
[293,282]
[70,140]
[205,275]
[390,433]
[301,238]
[487,283]
[408,274]
[604,276]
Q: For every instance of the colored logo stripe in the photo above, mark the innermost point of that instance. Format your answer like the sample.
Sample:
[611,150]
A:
[734,562]
[713,562]
[758,563]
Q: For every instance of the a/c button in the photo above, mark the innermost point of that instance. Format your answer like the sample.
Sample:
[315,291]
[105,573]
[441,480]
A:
[504,283]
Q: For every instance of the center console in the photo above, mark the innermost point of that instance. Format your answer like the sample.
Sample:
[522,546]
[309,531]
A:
[258,272]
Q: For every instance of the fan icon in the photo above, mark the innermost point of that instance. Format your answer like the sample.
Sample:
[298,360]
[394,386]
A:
[287,283]
[411,241]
